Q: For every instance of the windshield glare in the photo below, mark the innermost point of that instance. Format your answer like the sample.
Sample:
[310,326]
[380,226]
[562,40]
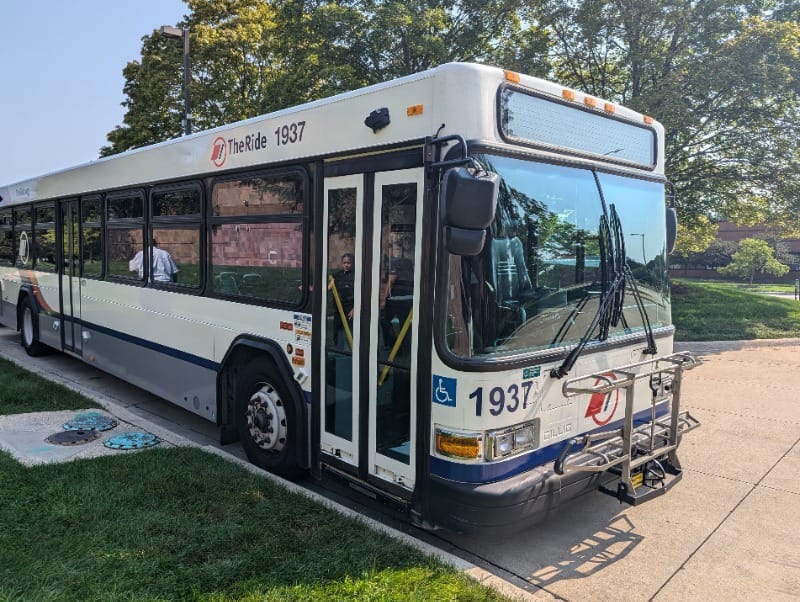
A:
[537,284]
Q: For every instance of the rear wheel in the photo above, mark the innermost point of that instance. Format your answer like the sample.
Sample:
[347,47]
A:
[29,327]
[267,420]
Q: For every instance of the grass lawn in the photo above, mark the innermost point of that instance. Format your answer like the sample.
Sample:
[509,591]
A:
[720,311]
[758,287]
[22,391]
[181,524]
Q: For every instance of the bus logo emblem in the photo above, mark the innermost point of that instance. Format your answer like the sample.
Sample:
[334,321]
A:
[218,153]
[601,407]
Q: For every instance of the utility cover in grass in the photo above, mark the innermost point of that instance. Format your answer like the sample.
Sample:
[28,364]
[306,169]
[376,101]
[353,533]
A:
[90,420]
[132,440]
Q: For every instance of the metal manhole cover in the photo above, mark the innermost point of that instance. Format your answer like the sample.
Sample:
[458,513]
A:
[76,437]
[132,441]
[90,420]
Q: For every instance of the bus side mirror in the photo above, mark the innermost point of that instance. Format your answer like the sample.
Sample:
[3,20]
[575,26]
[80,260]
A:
[469,202]
[672,229]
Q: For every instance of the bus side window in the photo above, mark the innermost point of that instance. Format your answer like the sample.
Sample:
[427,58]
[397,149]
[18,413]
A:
[257,236]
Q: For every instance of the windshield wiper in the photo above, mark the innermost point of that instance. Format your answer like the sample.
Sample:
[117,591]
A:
[615,273]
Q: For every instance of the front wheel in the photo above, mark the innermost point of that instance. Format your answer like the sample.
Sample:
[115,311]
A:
[267,420]
[28,328]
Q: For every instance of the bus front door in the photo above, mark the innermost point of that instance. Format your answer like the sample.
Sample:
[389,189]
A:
[70,277]
[368,405]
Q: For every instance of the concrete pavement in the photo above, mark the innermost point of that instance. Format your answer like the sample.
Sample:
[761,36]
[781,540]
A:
[729,531]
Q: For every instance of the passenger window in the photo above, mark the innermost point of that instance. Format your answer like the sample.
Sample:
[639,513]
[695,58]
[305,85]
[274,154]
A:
[177,202]
[258,237]
[262,260]
[6,239]
[125,245]
[259,196]
[126,206]
[182,245]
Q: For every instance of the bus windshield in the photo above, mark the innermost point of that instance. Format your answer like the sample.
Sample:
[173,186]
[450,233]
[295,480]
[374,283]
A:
[538,282]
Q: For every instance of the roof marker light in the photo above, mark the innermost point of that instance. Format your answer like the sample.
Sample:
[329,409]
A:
[609,108]
[590,102]
[568,94]
[512,77]
[647,119]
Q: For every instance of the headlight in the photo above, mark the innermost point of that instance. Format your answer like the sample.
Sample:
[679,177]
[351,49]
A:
[510,441]
[491,445]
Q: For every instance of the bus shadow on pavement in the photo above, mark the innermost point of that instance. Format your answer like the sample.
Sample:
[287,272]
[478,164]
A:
[605,546]
[584,537]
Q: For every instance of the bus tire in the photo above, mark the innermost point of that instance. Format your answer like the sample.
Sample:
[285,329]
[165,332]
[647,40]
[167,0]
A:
[266,419]
[29,328]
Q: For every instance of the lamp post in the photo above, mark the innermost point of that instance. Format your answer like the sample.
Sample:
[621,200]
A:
[644,257]
[176,33]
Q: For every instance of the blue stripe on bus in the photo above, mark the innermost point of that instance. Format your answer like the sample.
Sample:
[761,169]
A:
[170,351]
[488,472]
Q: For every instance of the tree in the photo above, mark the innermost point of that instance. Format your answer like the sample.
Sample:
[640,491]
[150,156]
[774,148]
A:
[754,256]
[236,68]
[722,75]
[251,57]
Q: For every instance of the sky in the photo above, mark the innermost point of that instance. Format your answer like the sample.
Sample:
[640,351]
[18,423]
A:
[61,80]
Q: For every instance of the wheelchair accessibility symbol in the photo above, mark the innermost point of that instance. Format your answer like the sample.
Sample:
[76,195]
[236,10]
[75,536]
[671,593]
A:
[444,390]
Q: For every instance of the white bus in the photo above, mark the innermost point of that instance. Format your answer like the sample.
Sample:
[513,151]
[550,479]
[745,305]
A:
[501,342]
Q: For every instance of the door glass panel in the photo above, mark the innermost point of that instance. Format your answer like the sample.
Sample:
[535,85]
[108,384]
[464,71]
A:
[70,284]
[340,325]
[397,247]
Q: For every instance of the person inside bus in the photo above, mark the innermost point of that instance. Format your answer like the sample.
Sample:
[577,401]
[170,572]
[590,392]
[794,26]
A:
[164,268]
[344,282]
[395,301]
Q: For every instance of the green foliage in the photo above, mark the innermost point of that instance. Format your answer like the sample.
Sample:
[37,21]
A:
[695,236]
[718,254]
[754,256]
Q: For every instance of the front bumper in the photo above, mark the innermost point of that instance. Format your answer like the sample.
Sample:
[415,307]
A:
[510,504]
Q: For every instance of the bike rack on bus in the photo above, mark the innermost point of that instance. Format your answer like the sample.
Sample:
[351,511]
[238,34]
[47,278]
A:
[641,456]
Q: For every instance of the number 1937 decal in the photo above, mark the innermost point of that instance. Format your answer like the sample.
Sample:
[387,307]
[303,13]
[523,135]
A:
[290,133]
[501,399]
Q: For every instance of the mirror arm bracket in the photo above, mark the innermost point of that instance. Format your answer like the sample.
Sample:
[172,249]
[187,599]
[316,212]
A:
[434,142]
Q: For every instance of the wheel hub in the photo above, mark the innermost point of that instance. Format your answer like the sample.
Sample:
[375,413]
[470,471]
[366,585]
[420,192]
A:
[266,419]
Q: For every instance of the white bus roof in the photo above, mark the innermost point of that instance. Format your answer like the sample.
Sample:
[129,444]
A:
[418,106]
